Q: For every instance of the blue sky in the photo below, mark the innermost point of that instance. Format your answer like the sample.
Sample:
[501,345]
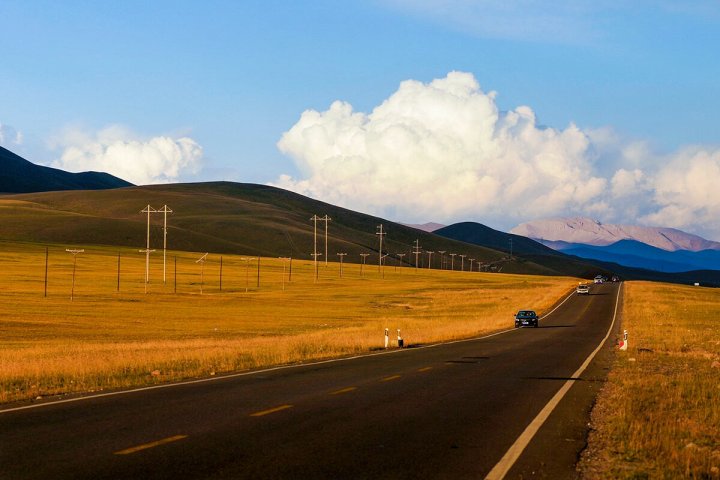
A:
[232,77]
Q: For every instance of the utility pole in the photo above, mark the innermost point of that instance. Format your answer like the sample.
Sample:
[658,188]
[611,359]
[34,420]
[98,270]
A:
[164,210]
[201,261]
[315,219]
[400,256]
[462,264]
[452,262]
[74,254]
[417,253]
[471,262]
[364,256]
[147,210]
[284,260]
[247,271]
[326,219]
[341,255]
[442,259]
[381,234]
[429,258]
[147,252]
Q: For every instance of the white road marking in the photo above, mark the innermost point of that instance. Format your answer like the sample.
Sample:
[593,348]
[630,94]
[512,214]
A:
[508,460]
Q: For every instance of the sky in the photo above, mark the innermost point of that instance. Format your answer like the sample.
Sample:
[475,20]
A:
[492,111]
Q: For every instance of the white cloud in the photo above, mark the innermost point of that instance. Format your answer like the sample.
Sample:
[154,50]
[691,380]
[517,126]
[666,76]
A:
[118,151]
[9,137]
[441,150]
[686,191]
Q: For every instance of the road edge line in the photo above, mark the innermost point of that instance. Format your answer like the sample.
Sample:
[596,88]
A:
[501,469]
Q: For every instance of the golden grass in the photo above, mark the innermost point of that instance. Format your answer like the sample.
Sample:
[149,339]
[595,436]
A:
[658,416]
[108,339]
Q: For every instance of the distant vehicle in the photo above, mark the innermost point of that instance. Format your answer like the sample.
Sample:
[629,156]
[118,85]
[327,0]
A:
[598,279]
[583,289]
[615,278]
[526,318]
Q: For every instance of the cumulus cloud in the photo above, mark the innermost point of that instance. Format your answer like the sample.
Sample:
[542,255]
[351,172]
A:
[9,137]
[443,151]
[118,151]
[686,191]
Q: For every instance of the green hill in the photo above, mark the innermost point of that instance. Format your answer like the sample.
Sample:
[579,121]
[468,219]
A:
[224,217]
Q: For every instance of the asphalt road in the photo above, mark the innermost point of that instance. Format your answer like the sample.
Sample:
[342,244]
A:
[447,411]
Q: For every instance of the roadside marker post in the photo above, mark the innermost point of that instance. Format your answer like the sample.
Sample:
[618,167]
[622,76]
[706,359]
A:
[399,340]
[387,337]
[624,342]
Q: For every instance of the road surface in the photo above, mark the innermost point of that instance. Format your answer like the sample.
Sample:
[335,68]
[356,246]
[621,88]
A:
[446,411]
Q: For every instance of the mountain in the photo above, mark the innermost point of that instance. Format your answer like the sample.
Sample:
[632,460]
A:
[425,227]
[636,254]
[519,246]
[628,259]
[225,217]
[592,232]
[18,175]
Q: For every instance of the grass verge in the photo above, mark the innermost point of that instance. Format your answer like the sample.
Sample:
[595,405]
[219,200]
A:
[658,416]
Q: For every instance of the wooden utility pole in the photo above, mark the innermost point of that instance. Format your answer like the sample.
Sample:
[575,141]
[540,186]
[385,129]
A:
[380,233]
[147,250]
[326,219]
[165,210]
[364,256]
[341,255]
[417,253]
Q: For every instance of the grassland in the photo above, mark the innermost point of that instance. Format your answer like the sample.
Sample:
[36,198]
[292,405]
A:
[659,414]
[193,325]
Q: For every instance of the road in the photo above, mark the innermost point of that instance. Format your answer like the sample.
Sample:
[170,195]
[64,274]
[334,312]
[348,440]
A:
[446,411]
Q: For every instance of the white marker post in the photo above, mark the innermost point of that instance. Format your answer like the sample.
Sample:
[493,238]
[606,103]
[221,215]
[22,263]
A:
[387,337]
[400,340]
[624,342]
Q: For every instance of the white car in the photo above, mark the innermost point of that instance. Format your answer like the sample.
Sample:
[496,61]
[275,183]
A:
[583,289]
[598,279]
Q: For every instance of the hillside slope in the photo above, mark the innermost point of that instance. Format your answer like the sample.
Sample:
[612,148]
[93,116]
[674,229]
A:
[18,175]
[222,217]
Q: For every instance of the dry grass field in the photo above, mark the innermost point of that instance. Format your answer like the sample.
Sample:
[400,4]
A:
[194,326]
[659,414]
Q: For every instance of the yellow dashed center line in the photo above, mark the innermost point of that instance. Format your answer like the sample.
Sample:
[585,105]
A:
[393,377]
[343,390]
[424,369]
[271,410]
[145,446]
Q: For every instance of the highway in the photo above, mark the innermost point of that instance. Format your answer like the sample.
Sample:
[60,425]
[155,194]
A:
[445,411]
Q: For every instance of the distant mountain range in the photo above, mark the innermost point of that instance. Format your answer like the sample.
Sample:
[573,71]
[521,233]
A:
[587,231]
[652,248]
[425,227]
[18,175]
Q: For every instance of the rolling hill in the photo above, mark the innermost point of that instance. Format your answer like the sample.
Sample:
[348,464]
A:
[18,175]
[223,217]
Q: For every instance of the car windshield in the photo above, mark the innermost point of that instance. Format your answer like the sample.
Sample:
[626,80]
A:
[525,314]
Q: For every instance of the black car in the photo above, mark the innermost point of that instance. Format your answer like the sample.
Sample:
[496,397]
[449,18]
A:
[526,318]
